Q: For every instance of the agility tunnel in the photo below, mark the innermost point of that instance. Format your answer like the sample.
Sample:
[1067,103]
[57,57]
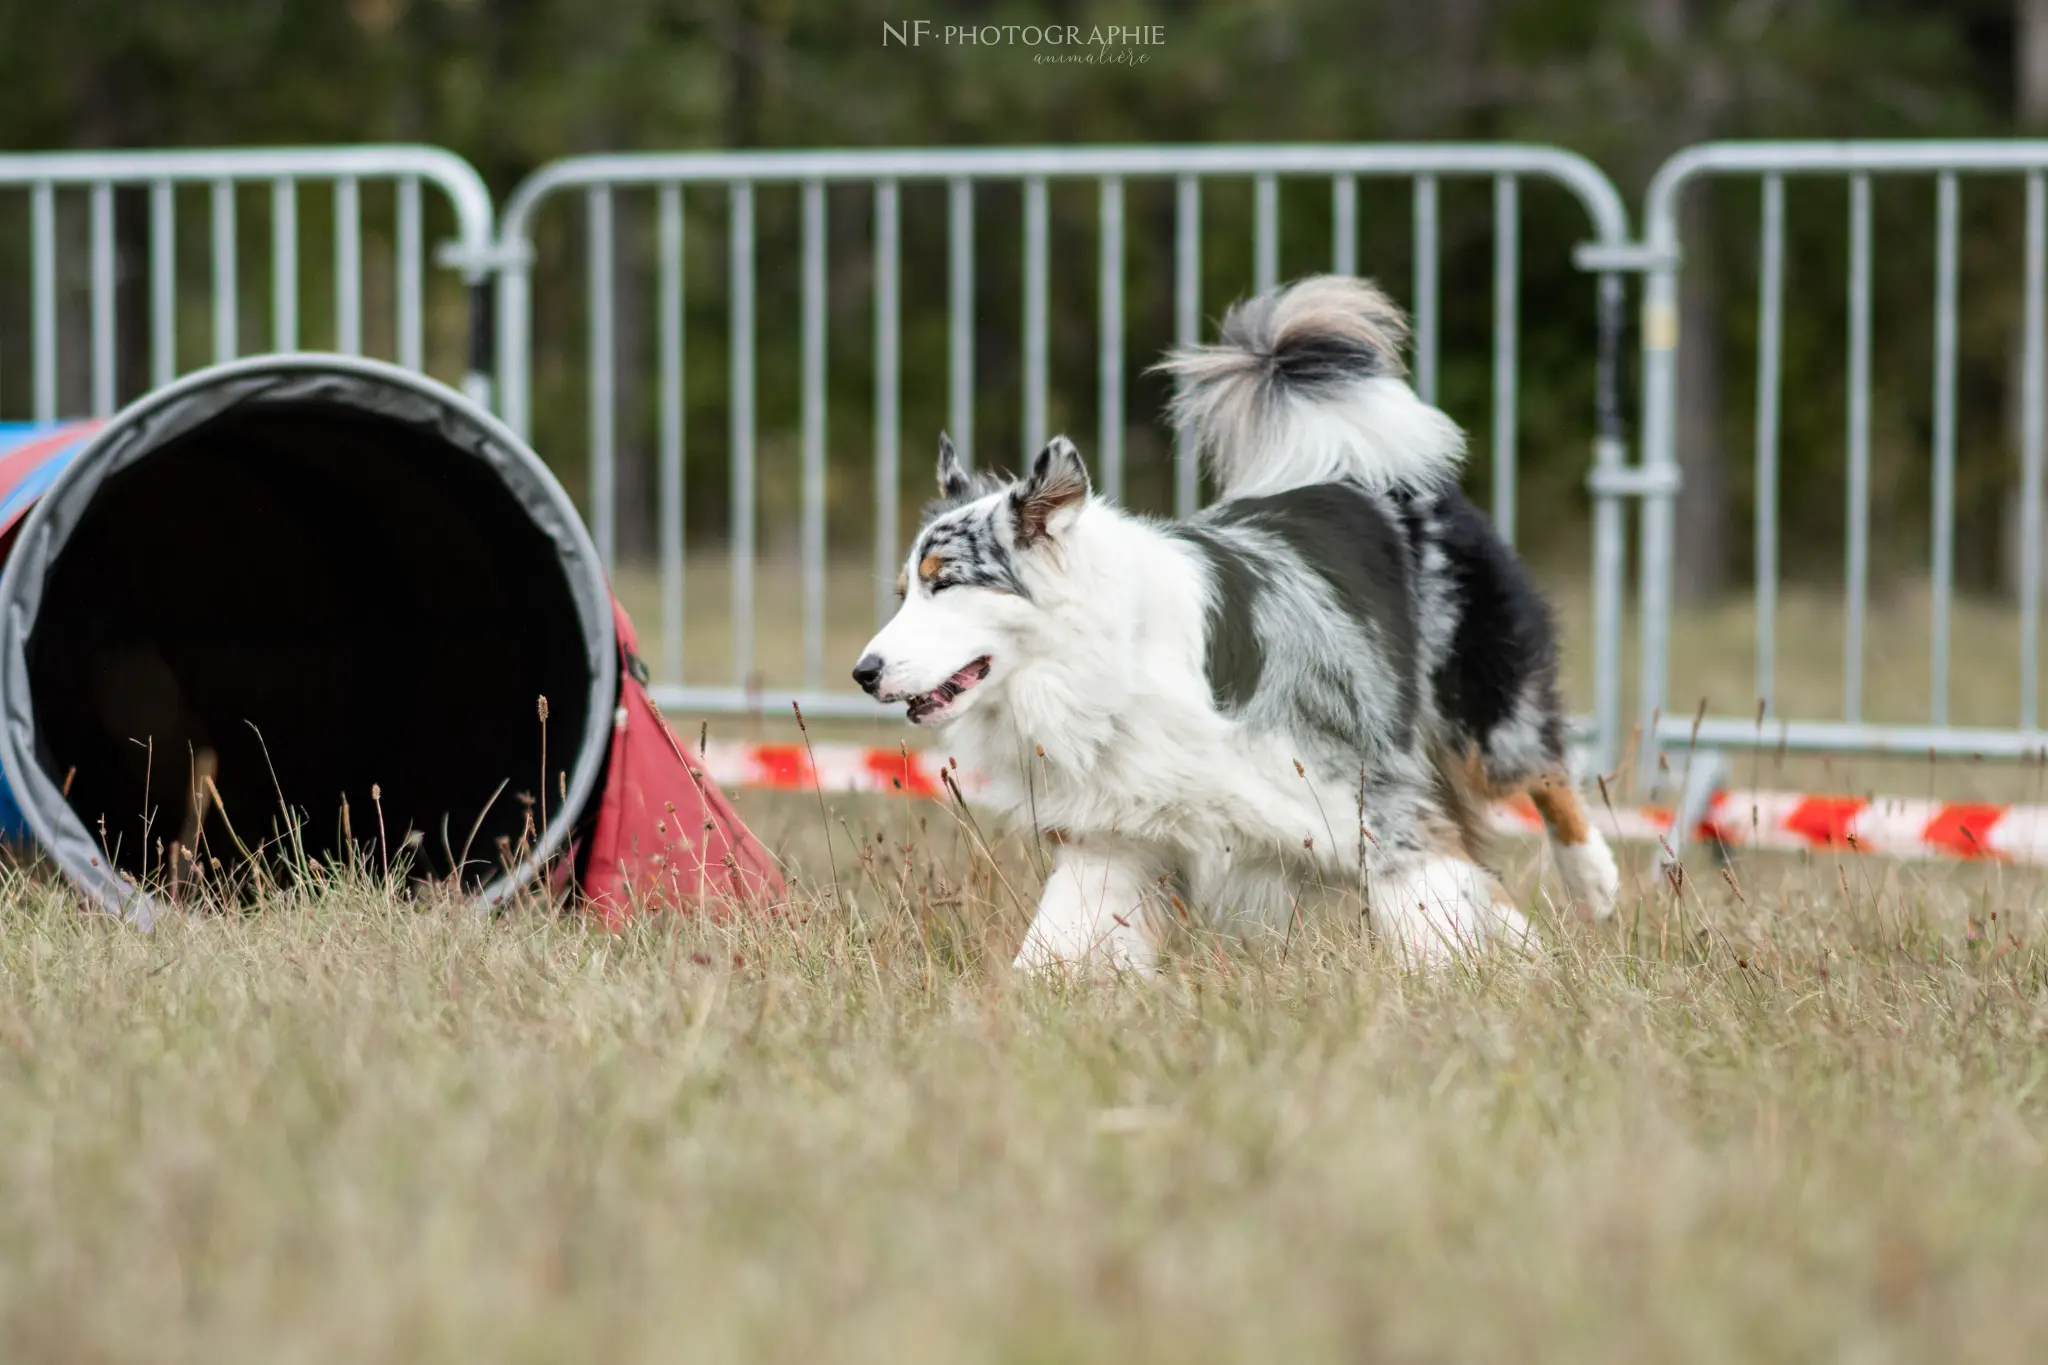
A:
[304,608]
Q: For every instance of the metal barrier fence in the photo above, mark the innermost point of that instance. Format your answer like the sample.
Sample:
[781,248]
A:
[1187,169]
[1707,738]
[47,176]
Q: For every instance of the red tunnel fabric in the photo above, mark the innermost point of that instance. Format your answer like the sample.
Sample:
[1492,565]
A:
[665,837]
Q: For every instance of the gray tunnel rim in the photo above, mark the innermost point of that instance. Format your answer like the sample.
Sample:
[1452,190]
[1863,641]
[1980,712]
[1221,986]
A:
[144,426]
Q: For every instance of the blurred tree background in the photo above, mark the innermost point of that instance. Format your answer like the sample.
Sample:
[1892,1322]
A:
[512,84]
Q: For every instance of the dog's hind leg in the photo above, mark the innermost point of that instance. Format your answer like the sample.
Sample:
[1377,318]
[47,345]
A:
[1526,752]
[1427,893]
[1096,912]
[1584,862]
[1437,905]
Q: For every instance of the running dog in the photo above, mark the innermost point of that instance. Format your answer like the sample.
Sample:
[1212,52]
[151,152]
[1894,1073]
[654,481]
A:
[1321,679]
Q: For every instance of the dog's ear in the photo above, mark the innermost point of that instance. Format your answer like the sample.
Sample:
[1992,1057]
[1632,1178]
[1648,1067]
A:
[1048,497]
[955,483]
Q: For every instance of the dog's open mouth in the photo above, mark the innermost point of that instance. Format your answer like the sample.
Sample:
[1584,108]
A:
[926,705]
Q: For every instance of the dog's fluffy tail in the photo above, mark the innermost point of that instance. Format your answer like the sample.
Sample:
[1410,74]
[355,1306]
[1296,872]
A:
[1307,386]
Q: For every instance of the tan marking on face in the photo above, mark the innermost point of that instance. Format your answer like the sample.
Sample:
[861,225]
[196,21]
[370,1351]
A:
[1557,801]
[902,583]
[1055,835]
[928,568]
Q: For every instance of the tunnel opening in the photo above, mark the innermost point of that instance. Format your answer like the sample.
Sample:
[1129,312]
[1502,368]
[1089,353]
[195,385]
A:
[317,622]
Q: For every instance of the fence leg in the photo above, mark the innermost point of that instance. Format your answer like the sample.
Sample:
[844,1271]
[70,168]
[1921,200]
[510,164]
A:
[1705,770]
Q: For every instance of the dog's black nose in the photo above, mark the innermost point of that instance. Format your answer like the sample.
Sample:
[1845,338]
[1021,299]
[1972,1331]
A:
[867,672]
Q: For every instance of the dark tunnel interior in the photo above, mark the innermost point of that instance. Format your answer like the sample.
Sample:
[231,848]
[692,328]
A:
[327,602]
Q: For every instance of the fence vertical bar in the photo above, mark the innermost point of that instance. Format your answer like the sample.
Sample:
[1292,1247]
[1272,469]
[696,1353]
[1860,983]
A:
[411,322]
[1610,553]
[960,313]
[1770,311]
[103,300]
[1110,348]
[163,284]
[1344,225]
[1507,265]
[1858,555]
[1425,211]
[513,323]
[1187,324]
[348,267]
[1660,460]
[597,217]
[284,264]
[812,362]
[1947,210]
[888,393]
[225,344]
[43,307]
[669,344]
[2031,453]
[742,418]
[1265,232]
[1035,327]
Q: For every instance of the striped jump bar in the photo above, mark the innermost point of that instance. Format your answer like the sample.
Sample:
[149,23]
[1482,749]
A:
[1790,821]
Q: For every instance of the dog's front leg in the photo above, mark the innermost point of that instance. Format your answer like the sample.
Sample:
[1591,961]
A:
[1095,913]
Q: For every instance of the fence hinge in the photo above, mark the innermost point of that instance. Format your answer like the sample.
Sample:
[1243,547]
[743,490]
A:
[1638,481]
[481,262]
[1629,256]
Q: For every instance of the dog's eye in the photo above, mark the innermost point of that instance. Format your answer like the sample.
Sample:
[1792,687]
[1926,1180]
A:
[928,570]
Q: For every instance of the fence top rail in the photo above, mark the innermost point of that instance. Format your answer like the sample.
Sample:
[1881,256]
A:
[1742,733]
[1847,157]
[460,180]
[1603,203]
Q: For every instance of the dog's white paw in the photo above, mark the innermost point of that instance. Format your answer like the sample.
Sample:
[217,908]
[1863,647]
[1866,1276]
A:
[1052,950]
[1442,908]
[1093,916]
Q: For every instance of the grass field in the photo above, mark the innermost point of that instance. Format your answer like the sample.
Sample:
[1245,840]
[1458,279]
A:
[1792,1116]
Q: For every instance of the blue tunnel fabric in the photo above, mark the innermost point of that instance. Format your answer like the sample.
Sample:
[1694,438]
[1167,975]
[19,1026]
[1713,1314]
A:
[32,455]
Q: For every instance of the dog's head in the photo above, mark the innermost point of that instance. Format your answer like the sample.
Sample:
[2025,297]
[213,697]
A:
[971,586]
